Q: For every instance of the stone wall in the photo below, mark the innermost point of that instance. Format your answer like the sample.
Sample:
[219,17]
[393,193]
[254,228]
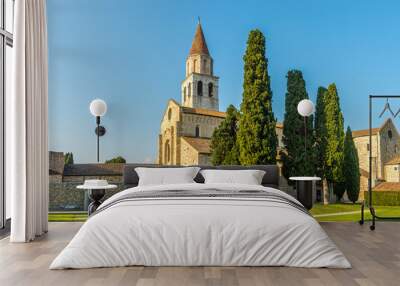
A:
[64,196]
[167,138]
[392,173]
[204,159]
[389,144]
[362,144]
[189,154]
[56,162]
[207,125]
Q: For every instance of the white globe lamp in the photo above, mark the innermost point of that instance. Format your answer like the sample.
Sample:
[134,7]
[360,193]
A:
[98,108]
[305,107]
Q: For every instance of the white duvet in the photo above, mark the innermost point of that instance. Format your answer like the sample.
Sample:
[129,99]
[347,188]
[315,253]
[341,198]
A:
[203,232]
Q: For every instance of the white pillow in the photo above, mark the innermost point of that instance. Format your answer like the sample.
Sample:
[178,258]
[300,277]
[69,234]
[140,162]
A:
[166,176]
[248,177]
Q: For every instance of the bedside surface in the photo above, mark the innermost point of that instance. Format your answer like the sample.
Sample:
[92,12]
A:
[305,178]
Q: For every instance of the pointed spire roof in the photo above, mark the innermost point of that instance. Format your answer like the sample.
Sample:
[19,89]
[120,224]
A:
[199,45]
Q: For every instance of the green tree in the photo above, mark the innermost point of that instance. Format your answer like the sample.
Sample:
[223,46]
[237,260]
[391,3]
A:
[223,142]
[257,138]
[297,159]
[118,159]
[351,167]
[69,158]
[320,132]
[334,141]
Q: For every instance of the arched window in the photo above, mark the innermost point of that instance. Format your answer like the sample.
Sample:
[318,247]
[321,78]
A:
[169,114]
[205,66]
[184,93]
[190,89]
[194,65]
[210,89]
[197,131]
[167,157]
[200,88]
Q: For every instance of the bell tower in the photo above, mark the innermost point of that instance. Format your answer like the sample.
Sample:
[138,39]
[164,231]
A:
[200,87]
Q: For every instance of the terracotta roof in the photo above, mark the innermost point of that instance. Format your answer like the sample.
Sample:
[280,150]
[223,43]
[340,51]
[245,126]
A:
[365,132]
[394,161]
[93,169]
[279,125]
[374,131]
[201,145]
[199,45]
[202,111]
[387,186]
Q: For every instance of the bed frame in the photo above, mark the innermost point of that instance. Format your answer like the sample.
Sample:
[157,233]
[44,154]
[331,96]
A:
[270,179]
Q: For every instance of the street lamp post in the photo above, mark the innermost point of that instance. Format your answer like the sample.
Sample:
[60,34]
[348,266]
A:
[98,108]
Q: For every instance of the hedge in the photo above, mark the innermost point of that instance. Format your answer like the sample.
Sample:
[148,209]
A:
[384,198]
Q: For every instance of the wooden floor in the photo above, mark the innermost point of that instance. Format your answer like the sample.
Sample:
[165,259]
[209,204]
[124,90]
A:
[375,257]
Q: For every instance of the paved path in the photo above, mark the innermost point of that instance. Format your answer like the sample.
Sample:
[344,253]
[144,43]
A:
[341,213]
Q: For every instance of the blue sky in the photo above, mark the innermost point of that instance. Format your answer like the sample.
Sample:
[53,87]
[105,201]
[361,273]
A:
[132,54]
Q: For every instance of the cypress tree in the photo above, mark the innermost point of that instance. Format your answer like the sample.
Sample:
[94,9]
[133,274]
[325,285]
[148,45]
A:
[223,141]
[69,158]
[334,141]
[256,135]
[296,161]
[351,167]
[320,134]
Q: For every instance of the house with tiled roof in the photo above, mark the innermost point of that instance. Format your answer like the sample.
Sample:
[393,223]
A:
[385,143]
[186,127]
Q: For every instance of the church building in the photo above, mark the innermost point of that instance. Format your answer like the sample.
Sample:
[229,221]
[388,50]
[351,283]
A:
[186,128]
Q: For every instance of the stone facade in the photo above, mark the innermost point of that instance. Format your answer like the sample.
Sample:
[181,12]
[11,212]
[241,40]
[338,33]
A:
[392,173]
[56,162]
[385,153]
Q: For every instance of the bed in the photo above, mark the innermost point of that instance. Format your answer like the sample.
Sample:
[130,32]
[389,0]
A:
[197,224]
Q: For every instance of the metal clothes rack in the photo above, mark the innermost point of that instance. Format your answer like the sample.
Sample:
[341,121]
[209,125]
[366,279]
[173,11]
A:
[370,204]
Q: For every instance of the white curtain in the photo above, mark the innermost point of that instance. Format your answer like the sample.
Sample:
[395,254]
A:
[27,122]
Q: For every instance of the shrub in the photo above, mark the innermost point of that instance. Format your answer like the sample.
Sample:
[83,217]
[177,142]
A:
[384,198]
[118,159]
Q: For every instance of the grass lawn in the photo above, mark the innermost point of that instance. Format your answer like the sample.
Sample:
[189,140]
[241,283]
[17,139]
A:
[64,216]
[348,212]
[321,212]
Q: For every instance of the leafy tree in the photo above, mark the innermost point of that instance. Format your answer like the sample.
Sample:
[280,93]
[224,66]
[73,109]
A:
[334,141]
[69,158]
[297,161]
[320,132]
[223,142]
[257,138]
[118,159]
[351,167]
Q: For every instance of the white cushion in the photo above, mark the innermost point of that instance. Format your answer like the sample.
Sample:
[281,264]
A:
[248,177]
[166,176]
